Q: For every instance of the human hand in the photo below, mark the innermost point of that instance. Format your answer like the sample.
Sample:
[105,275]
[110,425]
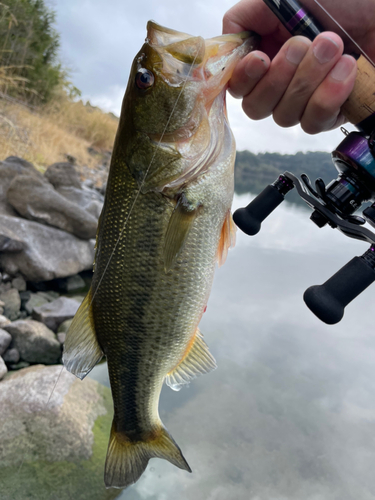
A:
[294,79]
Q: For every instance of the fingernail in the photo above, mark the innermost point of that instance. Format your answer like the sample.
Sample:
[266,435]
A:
[296,52]
[342,69]
[325,49]
[258,70]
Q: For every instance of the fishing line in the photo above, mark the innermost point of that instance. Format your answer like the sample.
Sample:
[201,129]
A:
[345,32]
[145,176]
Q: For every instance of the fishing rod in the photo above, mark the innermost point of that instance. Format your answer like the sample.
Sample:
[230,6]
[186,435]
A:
[336,203]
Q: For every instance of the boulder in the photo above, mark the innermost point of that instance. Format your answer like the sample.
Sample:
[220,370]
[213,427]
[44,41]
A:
[50,253]
[5,340]
[35,300]
[52,314]
[10,241]
[3,368]
[10,168]
[37,200]
[60,439]
[11,356]
[19,284]
[62,174]
[35,342]
[75,283]
[12,303]
[4,321]
[87,198]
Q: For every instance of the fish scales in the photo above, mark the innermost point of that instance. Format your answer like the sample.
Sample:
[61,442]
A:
[165,221]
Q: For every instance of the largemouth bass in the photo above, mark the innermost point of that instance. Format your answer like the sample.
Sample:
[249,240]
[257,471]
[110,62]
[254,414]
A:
[165,222]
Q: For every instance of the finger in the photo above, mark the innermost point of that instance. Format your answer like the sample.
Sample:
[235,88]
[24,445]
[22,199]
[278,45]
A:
[323,109]
[322,56]
[247,73]
[256,16]
[261,102]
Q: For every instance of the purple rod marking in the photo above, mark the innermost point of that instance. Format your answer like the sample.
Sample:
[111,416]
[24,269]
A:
[295,20]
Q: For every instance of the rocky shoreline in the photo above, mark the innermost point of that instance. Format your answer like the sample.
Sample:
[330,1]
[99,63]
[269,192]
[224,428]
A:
[48,225]
[52,424]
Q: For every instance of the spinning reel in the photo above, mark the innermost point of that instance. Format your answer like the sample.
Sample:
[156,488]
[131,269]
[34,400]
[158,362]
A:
[334,205]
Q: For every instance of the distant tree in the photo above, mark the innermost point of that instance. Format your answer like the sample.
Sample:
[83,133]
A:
[29,45]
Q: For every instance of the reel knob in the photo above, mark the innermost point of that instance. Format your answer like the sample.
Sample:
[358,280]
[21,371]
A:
[249,219]
[328,301]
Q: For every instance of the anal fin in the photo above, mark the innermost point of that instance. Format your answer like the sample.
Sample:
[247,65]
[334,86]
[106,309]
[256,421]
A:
[227,238]
[196,361]
[81,349]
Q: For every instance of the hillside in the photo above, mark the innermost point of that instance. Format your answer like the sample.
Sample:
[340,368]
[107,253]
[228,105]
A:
[254,172]
[62,130]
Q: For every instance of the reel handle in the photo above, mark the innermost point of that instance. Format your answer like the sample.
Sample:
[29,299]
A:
[250,218]
[328,301]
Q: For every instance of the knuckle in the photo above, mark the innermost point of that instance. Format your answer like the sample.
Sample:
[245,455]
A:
[284,119]
[254,111]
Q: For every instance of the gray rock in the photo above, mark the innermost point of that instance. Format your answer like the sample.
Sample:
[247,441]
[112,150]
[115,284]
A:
[11,356]
[62,445]
[12,302]
[25,296]
[19,284]
[10,168]
[19,366]
[64,327]
[35,342]
[61,337]
[62,174]
[49,296]
[5,340]
[4,321]
[50,253]
[75,283]
[4,287]
[3,368]
[10,241]
[35,300]
[37,200]
[54,313]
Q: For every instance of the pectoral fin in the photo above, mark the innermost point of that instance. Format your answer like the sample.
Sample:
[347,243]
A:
[197,361]
[81,349]
[227,238]
[178,229]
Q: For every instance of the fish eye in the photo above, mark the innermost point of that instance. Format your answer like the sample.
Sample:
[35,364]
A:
[144,79]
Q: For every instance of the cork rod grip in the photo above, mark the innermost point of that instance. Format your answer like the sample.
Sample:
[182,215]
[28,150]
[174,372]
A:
[361,102]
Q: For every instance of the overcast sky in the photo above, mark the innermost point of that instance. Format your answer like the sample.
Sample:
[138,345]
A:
[99,39]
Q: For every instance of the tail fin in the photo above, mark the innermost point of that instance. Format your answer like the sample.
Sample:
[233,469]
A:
[126,460]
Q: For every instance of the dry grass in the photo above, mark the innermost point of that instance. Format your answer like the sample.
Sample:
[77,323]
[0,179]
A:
[62,128]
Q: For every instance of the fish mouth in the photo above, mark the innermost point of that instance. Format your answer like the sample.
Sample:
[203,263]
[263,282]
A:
[186,57]
[201,69]
[208,63]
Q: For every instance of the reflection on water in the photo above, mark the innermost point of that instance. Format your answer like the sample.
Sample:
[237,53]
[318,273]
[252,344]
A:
[290,412]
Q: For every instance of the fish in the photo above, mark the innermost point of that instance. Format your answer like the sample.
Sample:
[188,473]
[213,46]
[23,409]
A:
[165,222]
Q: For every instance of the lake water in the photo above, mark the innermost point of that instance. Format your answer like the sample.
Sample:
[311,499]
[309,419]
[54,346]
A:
[290,412]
